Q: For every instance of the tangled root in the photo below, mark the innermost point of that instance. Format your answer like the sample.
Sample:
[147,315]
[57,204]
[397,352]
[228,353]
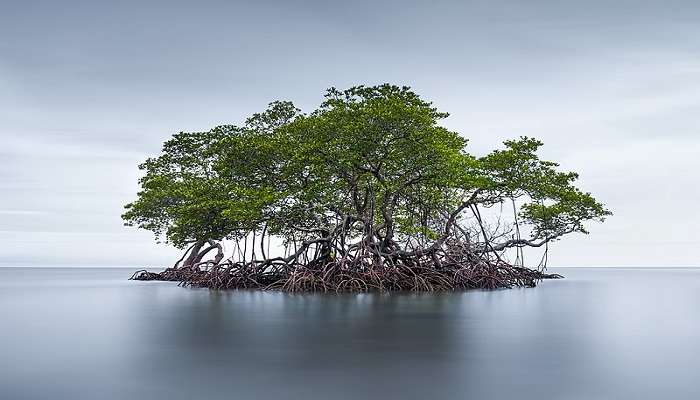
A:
[336,277]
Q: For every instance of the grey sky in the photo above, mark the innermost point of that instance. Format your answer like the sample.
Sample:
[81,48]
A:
[89,89]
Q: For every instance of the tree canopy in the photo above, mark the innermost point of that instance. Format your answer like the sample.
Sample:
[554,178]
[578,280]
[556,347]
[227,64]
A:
[368,181]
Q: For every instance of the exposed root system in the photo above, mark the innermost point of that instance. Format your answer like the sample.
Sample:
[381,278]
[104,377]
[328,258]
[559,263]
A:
[417,273]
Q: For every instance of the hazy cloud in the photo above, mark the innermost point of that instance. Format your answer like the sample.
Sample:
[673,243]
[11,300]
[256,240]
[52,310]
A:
[89,89]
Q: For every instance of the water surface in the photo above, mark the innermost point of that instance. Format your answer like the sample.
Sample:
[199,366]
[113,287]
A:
[76,333]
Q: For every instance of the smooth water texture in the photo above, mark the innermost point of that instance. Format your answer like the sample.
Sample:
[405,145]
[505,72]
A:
[598,334]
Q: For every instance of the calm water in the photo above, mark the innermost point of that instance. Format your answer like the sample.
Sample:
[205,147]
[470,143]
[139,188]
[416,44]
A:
[599,334]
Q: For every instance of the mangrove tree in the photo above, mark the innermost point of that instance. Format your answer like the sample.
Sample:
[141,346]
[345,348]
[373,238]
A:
[367,192]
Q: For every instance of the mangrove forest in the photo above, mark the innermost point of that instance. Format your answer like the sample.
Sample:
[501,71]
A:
[369,192]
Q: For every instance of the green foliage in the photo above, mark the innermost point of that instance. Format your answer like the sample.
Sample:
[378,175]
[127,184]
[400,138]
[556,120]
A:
[372,160]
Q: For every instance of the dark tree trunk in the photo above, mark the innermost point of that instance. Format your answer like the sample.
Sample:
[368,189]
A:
[193,253]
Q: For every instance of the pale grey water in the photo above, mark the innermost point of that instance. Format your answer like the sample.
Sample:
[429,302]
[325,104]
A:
[599,334]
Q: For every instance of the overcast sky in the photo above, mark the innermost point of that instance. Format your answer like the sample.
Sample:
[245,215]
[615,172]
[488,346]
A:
[89,89]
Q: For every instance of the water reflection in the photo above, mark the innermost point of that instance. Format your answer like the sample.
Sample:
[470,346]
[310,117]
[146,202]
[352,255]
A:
[598,334]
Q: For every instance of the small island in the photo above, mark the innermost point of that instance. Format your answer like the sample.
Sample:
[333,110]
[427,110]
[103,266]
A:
[366,193]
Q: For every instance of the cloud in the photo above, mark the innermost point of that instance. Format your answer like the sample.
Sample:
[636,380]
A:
[92,89]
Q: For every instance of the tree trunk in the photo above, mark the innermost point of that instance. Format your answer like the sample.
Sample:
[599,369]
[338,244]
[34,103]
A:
[194,253]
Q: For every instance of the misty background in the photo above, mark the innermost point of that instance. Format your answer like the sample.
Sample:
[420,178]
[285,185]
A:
[89,89]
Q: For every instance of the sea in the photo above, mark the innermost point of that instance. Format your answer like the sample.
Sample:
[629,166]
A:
[599,333]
